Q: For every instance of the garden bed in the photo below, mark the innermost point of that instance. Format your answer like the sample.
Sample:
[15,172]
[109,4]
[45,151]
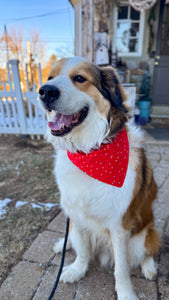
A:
[28,195]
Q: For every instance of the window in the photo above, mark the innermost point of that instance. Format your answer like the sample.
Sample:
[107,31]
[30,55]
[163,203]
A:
[128,31]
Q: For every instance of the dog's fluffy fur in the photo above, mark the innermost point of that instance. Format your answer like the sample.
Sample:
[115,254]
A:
[116,224]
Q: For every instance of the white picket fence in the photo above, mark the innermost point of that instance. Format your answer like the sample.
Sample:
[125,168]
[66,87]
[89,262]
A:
[20,112]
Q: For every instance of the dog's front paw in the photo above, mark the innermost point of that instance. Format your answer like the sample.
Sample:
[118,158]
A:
[73,272]
[126,296]
[126,293]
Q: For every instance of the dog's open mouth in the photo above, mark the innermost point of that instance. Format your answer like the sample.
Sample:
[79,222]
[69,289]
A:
[62,124]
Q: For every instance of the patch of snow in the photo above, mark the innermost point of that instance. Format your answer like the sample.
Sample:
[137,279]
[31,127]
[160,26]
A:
[142,296]
[36,205]
[48,206]
[3,204]
[20,203]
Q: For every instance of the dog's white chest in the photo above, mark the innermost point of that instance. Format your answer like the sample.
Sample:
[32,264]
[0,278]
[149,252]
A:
[83,197]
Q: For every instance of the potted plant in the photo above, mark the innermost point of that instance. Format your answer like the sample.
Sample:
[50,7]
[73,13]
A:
[145,99]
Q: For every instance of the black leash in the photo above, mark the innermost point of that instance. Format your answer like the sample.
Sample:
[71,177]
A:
[62,260]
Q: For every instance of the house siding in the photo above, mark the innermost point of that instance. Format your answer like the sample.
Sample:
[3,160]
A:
[97,17]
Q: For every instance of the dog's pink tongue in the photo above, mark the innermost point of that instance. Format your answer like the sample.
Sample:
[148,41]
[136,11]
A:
[59,120]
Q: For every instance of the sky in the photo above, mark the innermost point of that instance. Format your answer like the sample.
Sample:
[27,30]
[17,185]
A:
[53,19]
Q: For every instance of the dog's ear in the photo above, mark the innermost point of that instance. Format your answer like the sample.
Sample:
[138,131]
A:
[112,89]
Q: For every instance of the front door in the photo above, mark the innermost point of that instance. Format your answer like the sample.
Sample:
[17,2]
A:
[161,63]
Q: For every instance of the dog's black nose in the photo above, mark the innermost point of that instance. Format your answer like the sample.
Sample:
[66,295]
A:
[49,93]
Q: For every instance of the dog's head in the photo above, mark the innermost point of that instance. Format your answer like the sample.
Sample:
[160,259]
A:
[84,104]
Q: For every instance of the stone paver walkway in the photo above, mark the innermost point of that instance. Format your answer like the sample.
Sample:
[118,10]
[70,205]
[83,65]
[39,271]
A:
[34,276]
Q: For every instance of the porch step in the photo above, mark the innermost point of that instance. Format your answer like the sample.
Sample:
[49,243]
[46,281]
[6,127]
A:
[155,116]
[159,111]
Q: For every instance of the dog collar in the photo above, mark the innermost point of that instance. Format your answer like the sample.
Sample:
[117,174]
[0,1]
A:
[108,164]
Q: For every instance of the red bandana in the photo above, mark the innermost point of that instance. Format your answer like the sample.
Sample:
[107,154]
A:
[108,164]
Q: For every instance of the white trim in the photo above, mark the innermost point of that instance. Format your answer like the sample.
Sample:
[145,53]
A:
[78,29]
[140,39]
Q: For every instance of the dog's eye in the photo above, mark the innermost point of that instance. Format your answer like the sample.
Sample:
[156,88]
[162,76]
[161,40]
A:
[50,77]
[79,78]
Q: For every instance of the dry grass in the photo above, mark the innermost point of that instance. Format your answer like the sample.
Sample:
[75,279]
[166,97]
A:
[26,174]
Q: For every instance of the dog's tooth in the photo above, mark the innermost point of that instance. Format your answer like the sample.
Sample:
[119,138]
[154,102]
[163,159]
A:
[50,115]
[63,125]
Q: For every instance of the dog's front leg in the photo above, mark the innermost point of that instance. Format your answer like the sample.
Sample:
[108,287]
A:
[81,245]
[123,283]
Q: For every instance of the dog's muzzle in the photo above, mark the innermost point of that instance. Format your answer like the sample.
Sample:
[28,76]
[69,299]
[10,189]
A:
[48,94]
[61,123]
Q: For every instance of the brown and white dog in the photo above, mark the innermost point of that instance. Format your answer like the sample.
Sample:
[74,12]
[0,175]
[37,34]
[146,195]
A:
[86,108]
